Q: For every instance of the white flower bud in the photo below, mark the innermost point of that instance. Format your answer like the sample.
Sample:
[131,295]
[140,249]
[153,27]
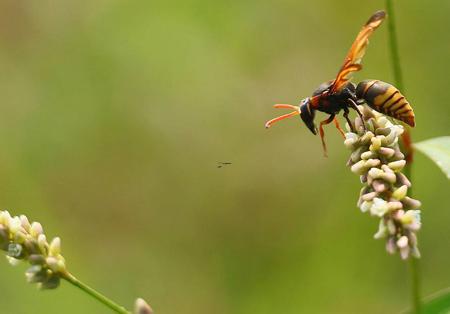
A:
[366,138]
[350,140]
[55,264]
[379,186]
[356,155]
[394,205]
[386,169]
[365,206]
[15,224]
[391,138]
[376,144]
[349,143]
[383,131]
[410,203]
[404,252]
[368,155]
[36,230]
[42,243]
[397,165]
[382,230]
[370,163]
[390,246]
[392,229]
[25,223]
[12,261]
[402,179]
[375,173]
[400,193]
[383,121]
[386,152]
[20,237]
[55,247]
[411,220]
[402,242]
[398,156]
[369,196]
[52,263]
[5,218]
[358,168]
[389,177]
[379,207]
[141,307]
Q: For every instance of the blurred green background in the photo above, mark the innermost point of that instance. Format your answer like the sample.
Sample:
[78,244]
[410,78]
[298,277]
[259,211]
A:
[114,114]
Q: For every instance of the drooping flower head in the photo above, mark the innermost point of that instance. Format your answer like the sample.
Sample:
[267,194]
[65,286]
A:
[377,158]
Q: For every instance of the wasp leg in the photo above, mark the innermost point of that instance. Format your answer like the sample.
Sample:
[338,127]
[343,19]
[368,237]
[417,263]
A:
[336,123]
[346,112]
[322,133]
[354,106]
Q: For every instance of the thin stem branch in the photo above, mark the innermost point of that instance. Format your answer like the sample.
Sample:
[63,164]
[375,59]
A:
[415,284]
[393,45]
[95,294]
[407,143]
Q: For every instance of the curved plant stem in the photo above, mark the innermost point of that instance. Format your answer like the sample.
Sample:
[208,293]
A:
[415,284]
[407,143]
[95,294]
[395,56]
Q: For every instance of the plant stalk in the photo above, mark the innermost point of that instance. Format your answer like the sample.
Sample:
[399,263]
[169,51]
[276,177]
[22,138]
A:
[407,144]
[95,294]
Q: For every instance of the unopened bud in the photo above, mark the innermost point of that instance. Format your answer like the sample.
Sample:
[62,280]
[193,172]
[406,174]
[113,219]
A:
[400,193]
[141,307]
[397,165]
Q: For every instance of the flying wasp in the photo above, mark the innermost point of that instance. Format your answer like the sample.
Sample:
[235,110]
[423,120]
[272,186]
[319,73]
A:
[340,94]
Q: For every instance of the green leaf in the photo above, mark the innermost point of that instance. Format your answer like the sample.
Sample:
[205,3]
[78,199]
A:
[438,303]
[438,149]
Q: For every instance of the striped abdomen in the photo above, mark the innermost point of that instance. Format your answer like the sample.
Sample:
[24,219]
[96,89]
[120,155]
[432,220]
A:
[387,99]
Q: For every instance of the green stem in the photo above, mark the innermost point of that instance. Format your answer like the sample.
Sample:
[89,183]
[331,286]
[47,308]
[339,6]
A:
[95,294]
[395,59]
[415,284]
[395,56]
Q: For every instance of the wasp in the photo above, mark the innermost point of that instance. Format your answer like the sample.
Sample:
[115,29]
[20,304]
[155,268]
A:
[340,94]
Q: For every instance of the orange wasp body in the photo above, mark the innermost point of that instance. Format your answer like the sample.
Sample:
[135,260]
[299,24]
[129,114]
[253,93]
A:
[341,94]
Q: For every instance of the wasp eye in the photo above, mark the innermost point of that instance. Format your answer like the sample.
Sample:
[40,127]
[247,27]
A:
[304,101]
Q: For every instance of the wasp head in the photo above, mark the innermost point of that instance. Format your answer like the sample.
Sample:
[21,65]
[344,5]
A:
[307,114]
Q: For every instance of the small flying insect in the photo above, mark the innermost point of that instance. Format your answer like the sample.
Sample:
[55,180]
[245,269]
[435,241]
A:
[220,164]
[340,94]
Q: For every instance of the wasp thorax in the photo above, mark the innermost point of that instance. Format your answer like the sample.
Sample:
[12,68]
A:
[323,87]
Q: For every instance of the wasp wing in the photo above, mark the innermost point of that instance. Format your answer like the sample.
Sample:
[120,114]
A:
[352,62]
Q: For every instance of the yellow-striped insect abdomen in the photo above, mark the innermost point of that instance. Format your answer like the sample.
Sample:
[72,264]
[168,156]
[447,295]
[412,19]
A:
[387,99]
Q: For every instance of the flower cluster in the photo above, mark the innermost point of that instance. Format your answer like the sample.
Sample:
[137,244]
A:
[23,240]
[377,158]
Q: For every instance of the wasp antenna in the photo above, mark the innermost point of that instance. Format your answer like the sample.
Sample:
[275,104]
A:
[270,122]
[285,106]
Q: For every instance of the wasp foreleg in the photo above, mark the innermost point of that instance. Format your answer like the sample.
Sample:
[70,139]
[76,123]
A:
[346,112]
[322,133]
[353,105]
[336,123]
